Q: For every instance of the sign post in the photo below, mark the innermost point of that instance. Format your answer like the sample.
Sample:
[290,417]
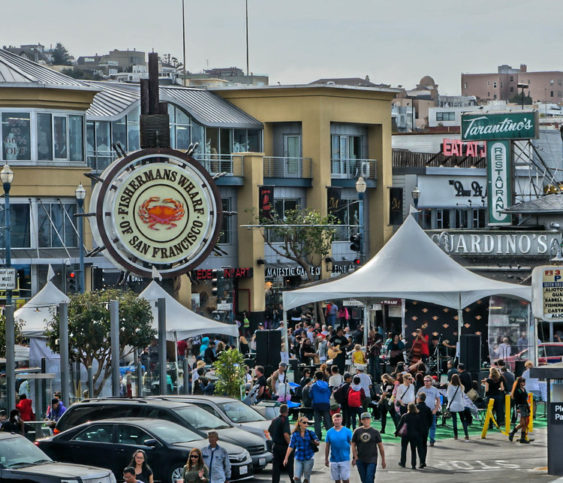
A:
[7,278]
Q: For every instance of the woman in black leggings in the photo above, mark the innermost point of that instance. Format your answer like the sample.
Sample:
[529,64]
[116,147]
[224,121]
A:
[385,404]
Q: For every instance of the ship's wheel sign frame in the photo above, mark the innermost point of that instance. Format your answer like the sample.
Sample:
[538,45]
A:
[156,208]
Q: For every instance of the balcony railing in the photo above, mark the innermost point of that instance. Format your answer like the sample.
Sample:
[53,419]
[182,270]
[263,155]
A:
[287,167]
[229,164]
[352,168]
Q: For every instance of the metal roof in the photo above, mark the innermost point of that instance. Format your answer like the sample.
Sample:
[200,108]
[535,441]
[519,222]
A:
[545,204]
[16,71]
[116,99]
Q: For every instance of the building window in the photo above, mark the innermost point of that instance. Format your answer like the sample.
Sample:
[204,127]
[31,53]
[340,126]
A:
[56,225]
[16,136]
[347,213]
[465,85]
[44,137]
[511,89]
[442,218]
[461,218]
[226,235]
[445,116]
[133,137]
[179,128]
[345,150]
[281,207]
[20,225]
[60,137]
[478,220]
[551,94]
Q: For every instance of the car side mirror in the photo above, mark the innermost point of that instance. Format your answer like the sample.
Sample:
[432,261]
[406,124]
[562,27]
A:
[151,443]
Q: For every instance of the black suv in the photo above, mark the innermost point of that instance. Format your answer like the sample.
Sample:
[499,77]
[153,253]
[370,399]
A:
[182,413]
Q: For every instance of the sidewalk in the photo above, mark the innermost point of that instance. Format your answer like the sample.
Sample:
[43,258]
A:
[477,460]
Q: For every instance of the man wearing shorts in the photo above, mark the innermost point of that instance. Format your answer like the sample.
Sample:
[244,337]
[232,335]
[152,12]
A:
[338,439]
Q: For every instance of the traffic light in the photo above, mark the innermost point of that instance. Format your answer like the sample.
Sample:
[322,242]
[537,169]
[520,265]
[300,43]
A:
[357,261]
[71,282]
[356,242]
[214,283]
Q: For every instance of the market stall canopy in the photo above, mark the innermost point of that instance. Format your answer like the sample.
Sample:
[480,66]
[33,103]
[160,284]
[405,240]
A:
[38,310]
[409,266]
[181,322]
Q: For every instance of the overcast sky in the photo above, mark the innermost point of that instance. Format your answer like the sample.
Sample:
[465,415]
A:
[298,41]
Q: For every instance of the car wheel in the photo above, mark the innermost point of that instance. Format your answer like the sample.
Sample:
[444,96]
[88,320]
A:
[176,473]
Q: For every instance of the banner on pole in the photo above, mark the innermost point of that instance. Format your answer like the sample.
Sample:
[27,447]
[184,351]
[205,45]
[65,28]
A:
[499,182]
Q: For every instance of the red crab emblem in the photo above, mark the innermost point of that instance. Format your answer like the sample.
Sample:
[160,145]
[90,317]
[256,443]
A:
[163,214]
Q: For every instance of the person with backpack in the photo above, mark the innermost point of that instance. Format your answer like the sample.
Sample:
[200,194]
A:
[341,397]
[356,396]
[320,402]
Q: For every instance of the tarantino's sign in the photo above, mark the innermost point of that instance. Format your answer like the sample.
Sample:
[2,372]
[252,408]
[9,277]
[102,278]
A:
[499,182]
[508,243]
[156,208]
[509,125]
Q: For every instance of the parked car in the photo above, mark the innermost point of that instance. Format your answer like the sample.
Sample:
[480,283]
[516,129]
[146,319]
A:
[192,417]
[548,353]
[232,411]
[21,460]
[111,443]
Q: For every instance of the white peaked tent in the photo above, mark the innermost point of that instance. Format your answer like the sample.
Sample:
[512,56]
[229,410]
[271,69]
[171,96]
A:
[181,322]
[409,266]
[38,310]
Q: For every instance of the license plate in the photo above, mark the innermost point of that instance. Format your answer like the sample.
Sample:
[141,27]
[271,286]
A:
[262,462]
[243,470]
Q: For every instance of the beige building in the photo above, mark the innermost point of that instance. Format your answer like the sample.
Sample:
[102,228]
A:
[503,85]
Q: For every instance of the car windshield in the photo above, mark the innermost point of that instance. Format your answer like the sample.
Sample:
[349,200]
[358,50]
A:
[554,350]
[173,433]
[18,451]
[238,412]
[200,419]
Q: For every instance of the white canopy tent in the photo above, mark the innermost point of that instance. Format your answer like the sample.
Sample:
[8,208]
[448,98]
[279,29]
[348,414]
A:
[409,266]
[38,310]
[181,322]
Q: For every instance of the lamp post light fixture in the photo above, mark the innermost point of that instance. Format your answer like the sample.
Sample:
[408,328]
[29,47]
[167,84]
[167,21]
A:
[361,187]
[80,195]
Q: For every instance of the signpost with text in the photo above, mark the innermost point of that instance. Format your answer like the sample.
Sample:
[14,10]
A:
[499,129]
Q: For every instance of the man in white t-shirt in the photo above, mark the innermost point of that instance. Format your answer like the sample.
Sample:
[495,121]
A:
[433,402]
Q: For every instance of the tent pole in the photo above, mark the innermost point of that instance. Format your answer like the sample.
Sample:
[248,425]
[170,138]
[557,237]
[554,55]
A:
[459,325]
[366,324]
[285,338]
[176,362]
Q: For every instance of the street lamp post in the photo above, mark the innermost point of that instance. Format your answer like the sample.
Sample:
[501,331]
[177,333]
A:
[80,195]
[361,187]
[415,196]
[7,177]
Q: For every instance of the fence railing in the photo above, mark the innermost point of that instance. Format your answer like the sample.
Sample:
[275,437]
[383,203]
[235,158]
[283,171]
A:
[287,167]
[353,168]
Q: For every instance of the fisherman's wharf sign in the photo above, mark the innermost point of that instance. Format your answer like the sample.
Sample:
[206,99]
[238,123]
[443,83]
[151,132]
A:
[156,208]
[509,125]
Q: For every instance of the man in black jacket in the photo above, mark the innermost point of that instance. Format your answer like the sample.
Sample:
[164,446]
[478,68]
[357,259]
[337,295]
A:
[341,397]
[464,378]
[281,435]
[427,417]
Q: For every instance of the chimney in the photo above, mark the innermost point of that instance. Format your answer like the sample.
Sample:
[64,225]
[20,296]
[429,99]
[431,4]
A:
[523,68]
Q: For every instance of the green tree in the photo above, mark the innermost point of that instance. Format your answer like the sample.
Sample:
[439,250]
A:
[89,329]
[230,371]
[17,333]
[303,236]
[517,99]
[81,74]
[61,55]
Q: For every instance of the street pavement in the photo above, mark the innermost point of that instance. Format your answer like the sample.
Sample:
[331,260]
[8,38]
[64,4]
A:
[477,460]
